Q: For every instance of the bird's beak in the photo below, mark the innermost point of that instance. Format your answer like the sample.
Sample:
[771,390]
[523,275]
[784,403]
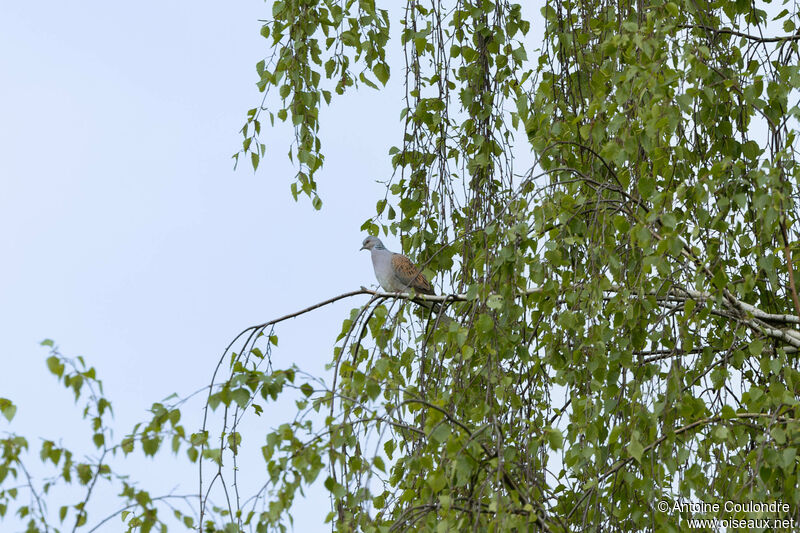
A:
[362,248]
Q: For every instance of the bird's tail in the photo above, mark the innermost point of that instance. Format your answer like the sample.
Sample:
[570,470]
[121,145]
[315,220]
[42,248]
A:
[436,311]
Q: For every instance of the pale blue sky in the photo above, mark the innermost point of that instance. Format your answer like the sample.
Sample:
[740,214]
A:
[126,235]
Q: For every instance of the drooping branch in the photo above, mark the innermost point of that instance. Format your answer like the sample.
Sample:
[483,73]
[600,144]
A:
[683,429]
[728,31]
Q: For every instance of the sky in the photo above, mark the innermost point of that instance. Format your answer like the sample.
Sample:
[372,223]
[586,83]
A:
[126,234]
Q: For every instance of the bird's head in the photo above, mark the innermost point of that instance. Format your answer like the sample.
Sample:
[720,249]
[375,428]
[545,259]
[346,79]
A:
[372,242]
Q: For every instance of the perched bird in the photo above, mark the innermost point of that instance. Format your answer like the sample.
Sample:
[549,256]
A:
[395,272]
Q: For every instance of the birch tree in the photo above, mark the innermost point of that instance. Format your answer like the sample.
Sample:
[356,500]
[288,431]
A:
[623,318]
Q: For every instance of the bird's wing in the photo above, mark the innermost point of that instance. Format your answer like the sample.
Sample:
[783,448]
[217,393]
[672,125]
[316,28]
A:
[409,276]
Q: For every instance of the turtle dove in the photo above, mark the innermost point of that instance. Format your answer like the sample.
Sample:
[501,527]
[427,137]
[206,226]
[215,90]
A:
[395,272]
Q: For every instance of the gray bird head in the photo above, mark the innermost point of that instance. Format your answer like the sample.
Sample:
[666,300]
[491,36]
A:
[372,242]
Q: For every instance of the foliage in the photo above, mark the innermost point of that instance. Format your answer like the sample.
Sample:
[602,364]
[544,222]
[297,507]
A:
[626,314]
[354,37]
[628,325]
[60,466]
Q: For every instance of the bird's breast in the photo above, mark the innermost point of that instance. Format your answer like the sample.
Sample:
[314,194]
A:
[382,263]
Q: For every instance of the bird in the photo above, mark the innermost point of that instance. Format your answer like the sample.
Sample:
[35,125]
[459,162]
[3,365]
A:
[395,272]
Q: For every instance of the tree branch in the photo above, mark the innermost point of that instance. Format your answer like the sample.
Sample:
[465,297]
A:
[789,267]
[727,31]
[622,462]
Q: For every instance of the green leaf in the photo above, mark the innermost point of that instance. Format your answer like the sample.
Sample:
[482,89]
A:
[150,445]
[756,347]
[381,71]
[307,389]
[55,366]
[241,396]
[472,292]
[192,453]
[334,488]
[437,481]
[214,454]
[554,438]
[484,323]
[495,301]
[672,9]
[636,449]
[7,408]
[440,433]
